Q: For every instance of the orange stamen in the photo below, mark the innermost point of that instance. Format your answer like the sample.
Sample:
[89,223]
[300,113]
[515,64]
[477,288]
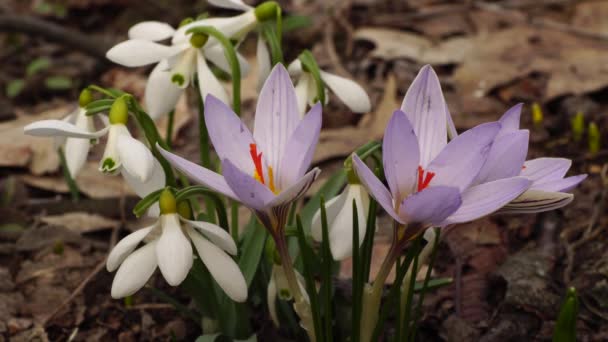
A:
[257,162]
[424,178]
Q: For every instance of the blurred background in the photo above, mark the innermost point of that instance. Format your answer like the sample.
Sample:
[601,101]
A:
[510,272]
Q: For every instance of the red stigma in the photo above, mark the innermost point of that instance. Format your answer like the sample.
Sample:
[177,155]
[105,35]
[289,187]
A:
[424,178]
[257,161]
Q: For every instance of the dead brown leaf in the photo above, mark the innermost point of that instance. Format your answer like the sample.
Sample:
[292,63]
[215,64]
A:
[80,222]
[591,16]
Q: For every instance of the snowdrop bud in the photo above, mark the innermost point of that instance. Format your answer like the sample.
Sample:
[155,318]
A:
[166,202]
[119,112]
[185,21]
[184,210]
[578,126]
[266,11]
[594,138]
[198,40]
[85,97]
[537,114]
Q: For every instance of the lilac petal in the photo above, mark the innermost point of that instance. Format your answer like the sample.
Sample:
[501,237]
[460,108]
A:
[506,158]
[229,135]
[484,199]
[452,132]
[536,201]
[296,190]
[430,206]
[276,116]
[300,148]
[198,173]
[510,120]
[426,109]
[461,160]
[401,155]
[375,188]
[252,193]
[559,185]
[545,169]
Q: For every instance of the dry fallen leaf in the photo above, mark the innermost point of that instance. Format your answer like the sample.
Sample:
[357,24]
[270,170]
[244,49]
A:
[80,222]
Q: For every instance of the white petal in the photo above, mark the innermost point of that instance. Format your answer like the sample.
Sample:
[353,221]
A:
[264,63]
[216,234]
[207,82]
[125,246]
[161,94]
[231,4]
[138,52]
[332,208]
[135,271]
[303,92]
[76,149]
[536,201]
[271,300]
[111,162]
[349,92]
[136,157]
[223,269]
[184,67]
[50,128]
[295,68]
[215,54]
[173,251]
[155,182]
[341,232]
[232,27]
[151,30]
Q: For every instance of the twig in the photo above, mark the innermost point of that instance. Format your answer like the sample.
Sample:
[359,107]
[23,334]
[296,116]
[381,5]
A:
[41,28]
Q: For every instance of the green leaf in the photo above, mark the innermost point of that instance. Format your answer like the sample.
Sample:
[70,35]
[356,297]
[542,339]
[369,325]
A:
[326,275]
[357,281]
[309,64]
[146,202]
[269,32]
[565,327]
[37,65]
[197,190]
[433,284]
[252,249]
[14,88]
[296,22]
[99,106]
[58,83]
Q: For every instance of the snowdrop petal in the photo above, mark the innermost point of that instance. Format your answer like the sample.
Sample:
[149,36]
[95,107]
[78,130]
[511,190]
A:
[207,82]
[536,201]
[461,160]
[215,54]
[332,208]
[216,234]
[546,169]
[50,128]
[348,91]
[231,4]
[223,269]
[302,93]
[151,30]
[138,52]
[125,246]
[155,182]
[430,206]
[136,157]
[161,95]
[271,300]
[484,199]
[173,250]
[263,59]
[426,109]
[375,188]
[77,150]
[341,232]
[401,155]
[135,271]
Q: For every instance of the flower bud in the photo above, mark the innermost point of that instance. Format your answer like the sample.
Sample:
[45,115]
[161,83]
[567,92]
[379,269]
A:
[166,202]
[266,11]
[594,137]
[198,40]
[537,114]
[565,327]
[85,97]
[185,21]
[119,112]
[578,126]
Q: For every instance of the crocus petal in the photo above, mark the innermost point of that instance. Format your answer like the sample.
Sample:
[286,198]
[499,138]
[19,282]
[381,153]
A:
[452,133]
[229,135]
[50,128]
[300,148]
[341,231]
[216,234]
[430,206]
[332,208]
[252,193]
[348,91]
[136,158]
[173,250]
[375,188]
[223,269]
[263,59]
[295,190]
[536,201]
[230,4]
[135,271]
[484,199]
[561,185]
[215,54]
[276,116]
[139,52]
[400,155]
[510,120]
[426,109]
[506,157]
[302,94]
[271,300]
[125,246]
[161,94]
[461,160]
[545,169]
[151,30]
[207,82]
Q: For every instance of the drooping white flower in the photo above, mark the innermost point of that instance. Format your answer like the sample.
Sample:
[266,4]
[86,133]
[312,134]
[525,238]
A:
[170,249]
[348,91]
[278,287]
[340,220]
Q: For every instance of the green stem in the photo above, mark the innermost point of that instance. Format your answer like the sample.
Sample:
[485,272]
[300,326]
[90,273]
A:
[234,217]
[204,150]
[68,177]
[170,127]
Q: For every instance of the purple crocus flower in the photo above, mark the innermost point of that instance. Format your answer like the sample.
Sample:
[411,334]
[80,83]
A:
[430,179]
[549,188]
[266,170]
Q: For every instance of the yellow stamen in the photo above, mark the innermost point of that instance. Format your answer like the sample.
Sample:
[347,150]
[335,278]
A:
[257,177]
[271,180]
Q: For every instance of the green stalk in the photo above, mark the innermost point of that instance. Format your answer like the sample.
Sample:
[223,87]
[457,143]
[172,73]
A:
[204,149]
[68,177]
[170,127]
[234,218]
